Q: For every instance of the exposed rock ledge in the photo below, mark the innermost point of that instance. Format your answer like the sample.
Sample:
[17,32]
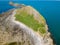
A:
[14,31]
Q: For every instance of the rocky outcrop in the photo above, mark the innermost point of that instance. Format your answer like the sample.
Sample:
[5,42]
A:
[13,32]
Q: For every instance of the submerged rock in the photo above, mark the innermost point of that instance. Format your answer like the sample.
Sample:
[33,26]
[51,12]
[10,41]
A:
[17,5]
[24,26]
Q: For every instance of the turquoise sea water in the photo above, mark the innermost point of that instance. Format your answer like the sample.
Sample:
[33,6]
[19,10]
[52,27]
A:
[49,9]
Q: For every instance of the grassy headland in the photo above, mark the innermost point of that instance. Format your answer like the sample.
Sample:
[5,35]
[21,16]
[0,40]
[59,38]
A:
[29,20]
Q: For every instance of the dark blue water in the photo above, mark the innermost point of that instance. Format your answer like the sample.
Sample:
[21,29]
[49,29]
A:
[4,6]
[49,9]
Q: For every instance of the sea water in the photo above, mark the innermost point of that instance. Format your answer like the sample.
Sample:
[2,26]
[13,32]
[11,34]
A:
[49,9]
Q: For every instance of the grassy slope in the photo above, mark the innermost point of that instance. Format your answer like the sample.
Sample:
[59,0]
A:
[28,20]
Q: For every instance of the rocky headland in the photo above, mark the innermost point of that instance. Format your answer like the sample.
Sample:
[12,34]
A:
[23,26]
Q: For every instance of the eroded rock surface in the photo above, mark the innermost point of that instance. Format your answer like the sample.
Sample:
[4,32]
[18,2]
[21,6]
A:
[13,32]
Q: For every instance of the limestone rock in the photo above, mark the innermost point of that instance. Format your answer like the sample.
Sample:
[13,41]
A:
[16,32]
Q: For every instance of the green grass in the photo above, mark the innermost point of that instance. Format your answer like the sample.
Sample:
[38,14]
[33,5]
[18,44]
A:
[30,21]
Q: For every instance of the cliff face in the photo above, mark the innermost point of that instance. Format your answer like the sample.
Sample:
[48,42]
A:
[23,26]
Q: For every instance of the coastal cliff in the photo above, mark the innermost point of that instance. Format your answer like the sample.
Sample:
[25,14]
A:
[23,26]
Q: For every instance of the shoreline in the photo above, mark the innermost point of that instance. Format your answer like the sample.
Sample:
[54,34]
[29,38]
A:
[46,29]
[30,32]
